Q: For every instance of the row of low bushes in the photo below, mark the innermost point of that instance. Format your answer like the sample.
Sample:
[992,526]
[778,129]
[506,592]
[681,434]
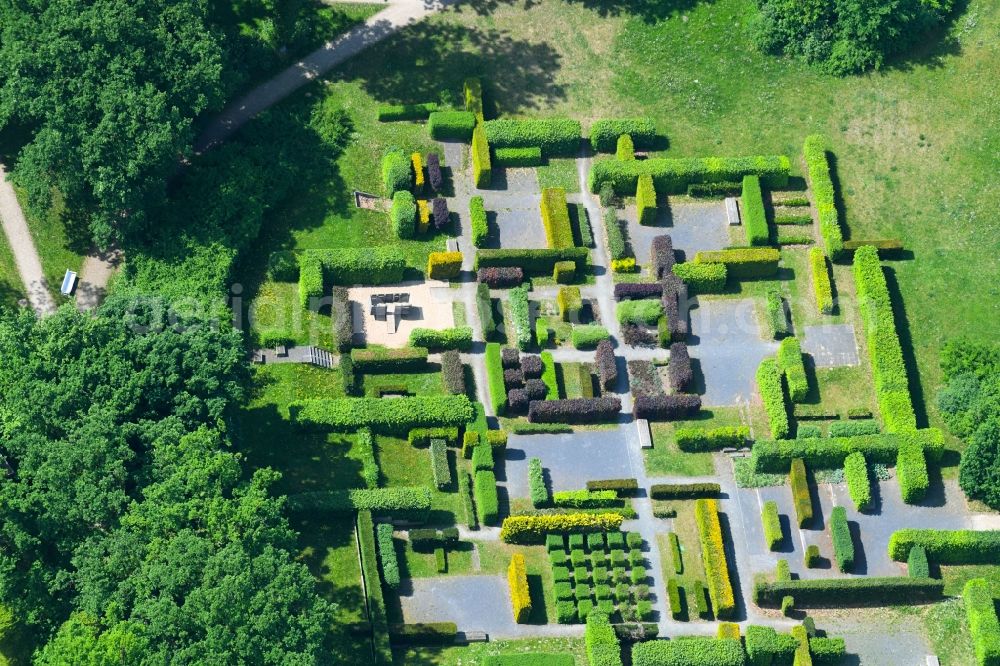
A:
[533,261]
[841,592]
[843,544]
[743,263]
[818,168]
[793,367]
[537,488]
[585,499]
[479,221]
[575,410]
[588,336]
[702,278]
[393,112]
[443,265]
[484,486]
[369,466]
[440,471]
[494,378]
[911,470]
[317,268]
[858,483]
[980,610]
[555,218]
[603,648]
[518,157]
[770,383]
[451,125]
[380,359]
[801,497]
[683,491]
[422,437]
[693,440]
[555,136]
[754,216]
[775,456]
[769,517]
[533,529]
[387,555]
[822,285]
[397,416]
[482,166]
[607,366]
[520,314]
[948,546]
[520,595]
[713,554]
[690,651]
[412,502]
[604,133]
[377,617]
[886,353]
[459,338]
[673,407]
[645,200]
[673,175]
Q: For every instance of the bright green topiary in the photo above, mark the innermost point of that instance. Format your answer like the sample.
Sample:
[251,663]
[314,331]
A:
[625,150]
[858,483]
[404,214]
[822,285]
[555,218]
[645,200]
[843,544]
[455,125]
[983,623]
[480,226]
[754,217]
[482,168]
[702,278]
[791,364]
[586,336]
[800,492]
[397,173]
[818,168]
[773,534]
[772,392]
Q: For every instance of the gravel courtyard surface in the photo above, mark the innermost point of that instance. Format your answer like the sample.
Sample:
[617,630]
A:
[692,226]
[831,346]
[570,459]
[725,339]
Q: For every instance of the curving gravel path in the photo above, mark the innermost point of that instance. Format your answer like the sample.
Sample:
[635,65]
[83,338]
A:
[29,266]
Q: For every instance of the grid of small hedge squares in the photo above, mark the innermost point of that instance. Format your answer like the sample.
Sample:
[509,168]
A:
[599,571]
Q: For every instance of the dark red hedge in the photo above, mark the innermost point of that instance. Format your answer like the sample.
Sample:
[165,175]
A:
[576,410]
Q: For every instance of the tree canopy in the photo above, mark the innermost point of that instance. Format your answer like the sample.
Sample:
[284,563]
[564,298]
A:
[846,36]
[127,525]
[970,403]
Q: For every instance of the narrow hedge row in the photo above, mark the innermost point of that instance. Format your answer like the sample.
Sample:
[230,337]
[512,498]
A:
[764,645]
[480,226]
[843,544]
[518,157]
[520,314]
[393,112]
[378,359]
[604,133]
[402,501]
[555,136]
[484,487]
[520,595]
[472,93]
[369,466]
[948,546]
[607,365]
[754,216]
[555,218]
[459,338]
[575,410]
[588,336]
[800,492]
[840,592]
[645,200]
[713,554]
[773,533]
[673,175]
[683,491]
[791,364]
[772,392]
[532,529]
[387,555]
[396,416]
[482,167]
[370,265]
[884,349]
[911,469]
[603,648]
[818,168]
[533,261]
[440,471]
[586,499]
[858,483]
[702,278]
[775,456]
[822,286]
[693,440]
[983,622]
[537,489]
[377,617]
[494,378]
[743,263]
[451,125]
[690,651]
[666,407]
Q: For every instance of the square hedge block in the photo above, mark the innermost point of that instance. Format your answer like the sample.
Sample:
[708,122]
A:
[566,612]
[622,593]
[560,574]
[602,592]
[599,558]
[641,591]
[645,610]
[564,591]
[618,558]
[633,539]
[583,609]
[638,575]
[553,542]
[595,541]
[581,575]
[600,575]
[616,540]
[576,542]
[606,606]
[620,575]
[557,557]
[579,558]
[635,557]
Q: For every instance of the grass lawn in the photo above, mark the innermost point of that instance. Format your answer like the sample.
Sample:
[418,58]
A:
[56,250]
[417,383]
[665,459]
[494,558]
[11,287]
[686,528]
[405,465]
[475,653]
[559,173]
[424,565]
[277,310]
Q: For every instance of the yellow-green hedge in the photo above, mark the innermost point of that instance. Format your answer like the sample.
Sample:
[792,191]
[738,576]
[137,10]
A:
[520,596]
[444,265]
[482,169]
[713,553]
[821,281]
[532,529]
[645,200]
[555,218]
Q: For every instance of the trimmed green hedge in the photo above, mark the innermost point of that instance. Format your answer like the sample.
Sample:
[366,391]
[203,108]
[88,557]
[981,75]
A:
[485,489]
[843,544]
[539,492]
[404,214]
[555,218]
[702,278]
[676,491]
[886,354]
[369,266]
[827,651]
[673,175]
[533,261]
[472,92]
[377,617]
[531,659]
[457,125]
[772,392]
[533,529]
[766,646]
[555,136]
[400,501]
[603,648]
[586,336]
[911,470]
[801,496]
[549,376]
[604,133]
[646,311]
[645,200]
[482,167]
[754,216]
[858,482]
[370,471]
[518,157]
[616,237]
[520,314]
[791,364]
[741,263]
[840,592]
[380,359]
[775,456]
[713,554]
[818,168]
[689,651]
[917,564]
[494,378]
[397,172]
[822,286]
[625,148]
[387,555]
[310,279]
[442,339]
[440,470]
[392,112]
[773,533]
[948,546]
[396,416]
[480,225]
[983,622]
[693,440]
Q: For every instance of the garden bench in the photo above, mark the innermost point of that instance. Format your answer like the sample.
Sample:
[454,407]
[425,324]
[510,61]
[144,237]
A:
[68,283]
[732,211]
[464,637]
[645,440]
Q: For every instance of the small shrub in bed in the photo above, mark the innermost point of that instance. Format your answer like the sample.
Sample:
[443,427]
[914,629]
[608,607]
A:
[501,277]
[535,389]
[440,208]
[607,367]
[517,401]
[510,358]
[512,378]
[531,366]
[577,410]
[679,371]
[434,176]
[666,407]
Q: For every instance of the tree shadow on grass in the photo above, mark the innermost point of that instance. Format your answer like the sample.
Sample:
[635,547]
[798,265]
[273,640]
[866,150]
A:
[906,342]
[428,61]
[649,11]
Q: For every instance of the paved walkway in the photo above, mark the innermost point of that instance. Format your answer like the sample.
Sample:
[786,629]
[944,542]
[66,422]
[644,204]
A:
[29,266]
[397,14]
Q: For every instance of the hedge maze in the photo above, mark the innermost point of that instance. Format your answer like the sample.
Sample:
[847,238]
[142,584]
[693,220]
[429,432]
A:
[586,335]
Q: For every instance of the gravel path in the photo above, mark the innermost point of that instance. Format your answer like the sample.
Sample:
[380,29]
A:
[29,266]
[397,14]
[98,267]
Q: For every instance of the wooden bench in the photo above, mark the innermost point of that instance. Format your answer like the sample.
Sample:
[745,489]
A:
[732,211]
[645,439]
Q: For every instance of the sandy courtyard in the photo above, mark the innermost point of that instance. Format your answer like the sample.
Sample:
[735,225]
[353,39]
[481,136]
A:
[431,308]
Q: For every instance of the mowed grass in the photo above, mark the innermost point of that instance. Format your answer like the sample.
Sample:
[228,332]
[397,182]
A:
[11,287]
[665,459]
[477,652]
[916,144]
